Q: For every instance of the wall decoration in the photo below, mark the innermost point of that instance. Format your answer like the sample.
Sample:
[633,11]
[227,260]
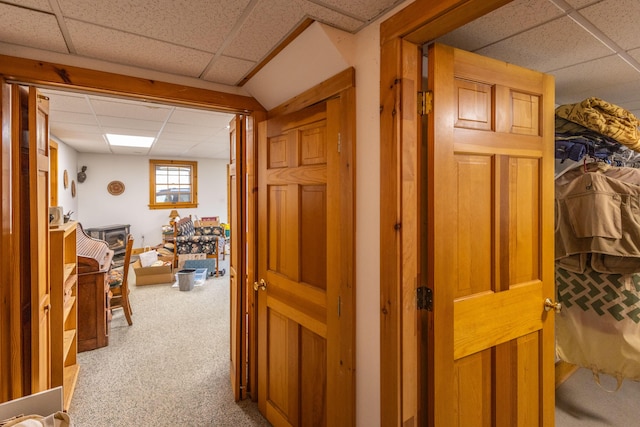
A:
[65,179]
[73,188]
[82,175]
[115,188]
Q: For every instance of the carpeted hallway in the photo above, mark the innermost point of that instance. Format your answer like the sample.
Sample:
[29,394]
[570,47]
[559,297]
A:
[170,368]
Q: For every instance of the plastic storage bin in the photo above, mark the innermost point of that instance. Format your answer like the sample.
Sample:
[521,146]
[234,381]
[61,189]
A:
[186,278]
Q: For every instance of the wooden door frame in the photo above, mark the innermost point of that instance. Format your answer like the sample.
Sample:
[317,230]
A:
[401,40]
[65,77]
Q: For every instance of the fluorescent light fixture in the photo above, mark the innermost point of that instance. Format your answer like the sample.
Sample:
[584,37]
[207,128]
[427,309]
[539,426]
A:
[129,140]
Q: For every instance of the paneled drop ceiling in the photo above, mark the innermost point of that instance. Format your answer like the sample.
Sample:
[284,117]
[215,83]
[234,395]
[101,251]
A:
[592,47]
[216,41]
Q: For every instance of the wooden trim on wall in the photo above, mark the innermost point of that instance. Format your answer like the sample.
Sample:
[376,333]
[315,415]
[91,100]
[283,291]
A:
[321,92]
[400,36]
[70,77]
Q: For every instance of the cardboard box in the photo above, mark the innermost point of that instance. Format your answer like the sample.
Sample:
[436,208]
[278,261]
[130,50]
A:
[152,275]
[209,221]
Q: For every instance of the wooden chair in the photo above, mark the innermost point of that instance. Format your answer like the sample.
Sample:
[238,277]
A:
[120,291]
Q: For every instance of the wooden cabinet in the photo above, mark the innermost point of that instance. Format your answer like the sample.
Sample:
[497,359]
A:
[94,310]
[64,308]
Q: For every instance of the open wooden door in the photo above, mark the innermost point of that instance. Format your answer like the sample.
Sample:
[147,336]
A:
[305,237]
[34,235]
[490,242]
[39,233]
[237,288]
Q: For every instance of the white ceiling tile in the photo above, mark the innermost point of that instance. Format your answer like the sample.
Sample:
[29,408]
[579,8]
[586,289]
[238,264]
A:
[33,4]
[71,129]
[74,118]
[513,18]
[129,151]
[67,101]
[578,4]
[228,70]
[333,18]
[30,28]
[361,9]
[82,141]
[617,19]
[129,49]
[271,21]
[186,129]
[200,25]
[635,54]
[267,24]
[132,123]
[124,108]
[211,119]
[208,151]
[549,47]
[594,78]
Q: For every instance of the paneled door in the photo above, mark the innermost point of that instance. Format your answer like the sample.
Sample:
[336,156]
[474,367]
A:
[490,227]
[305,376]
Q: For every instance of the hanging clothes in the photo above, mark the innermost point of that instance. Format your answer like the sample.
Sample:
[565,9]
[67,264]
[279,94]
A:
[597,213]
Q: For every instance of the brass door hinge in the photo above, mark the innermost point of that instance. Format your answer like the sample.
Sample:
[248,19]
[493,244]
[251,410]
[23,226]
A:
[425,102]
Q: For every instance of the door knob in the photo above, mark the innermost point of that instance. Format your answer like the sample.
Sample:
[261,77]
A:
[549,305]
[260,286]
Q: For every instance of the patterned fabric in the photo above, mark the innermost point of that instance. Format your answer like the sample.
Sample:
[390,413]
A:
[186,229]
[193,240]
[605,118]
[611,295]
[598,327]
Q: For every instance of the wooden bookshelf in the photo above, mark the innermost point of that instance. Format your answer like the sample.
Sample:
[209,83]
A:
[63,276]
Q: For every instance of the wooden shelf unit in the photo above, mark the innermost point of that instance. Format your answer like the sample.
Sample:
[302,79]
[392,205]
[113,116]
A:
[63,276]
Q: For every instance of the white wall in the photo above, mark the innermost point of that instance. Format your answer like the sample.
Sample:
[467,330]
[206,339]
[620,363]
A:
[67,160]
[96,207]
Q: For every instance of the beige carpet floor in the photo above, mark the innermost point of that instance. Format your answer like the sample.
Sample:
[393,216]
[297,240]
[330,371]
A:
[170,368]
[581,402]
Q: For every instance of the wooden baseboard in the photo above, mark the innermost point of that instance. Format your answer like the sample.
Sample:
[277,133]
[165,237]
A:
[564,370]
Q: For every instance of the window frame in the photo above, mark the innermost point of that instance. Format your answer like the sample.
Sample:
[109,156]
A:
[153,165]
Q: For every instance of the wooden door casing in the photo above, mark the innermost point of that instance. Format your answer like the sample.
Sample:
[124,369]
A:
[490,175]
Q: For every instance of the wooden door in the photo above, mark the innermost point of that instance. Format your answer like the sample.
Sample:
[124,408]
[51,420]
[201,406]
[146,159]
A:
[305,374]
[490,245]
[238,363]
[35,151]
